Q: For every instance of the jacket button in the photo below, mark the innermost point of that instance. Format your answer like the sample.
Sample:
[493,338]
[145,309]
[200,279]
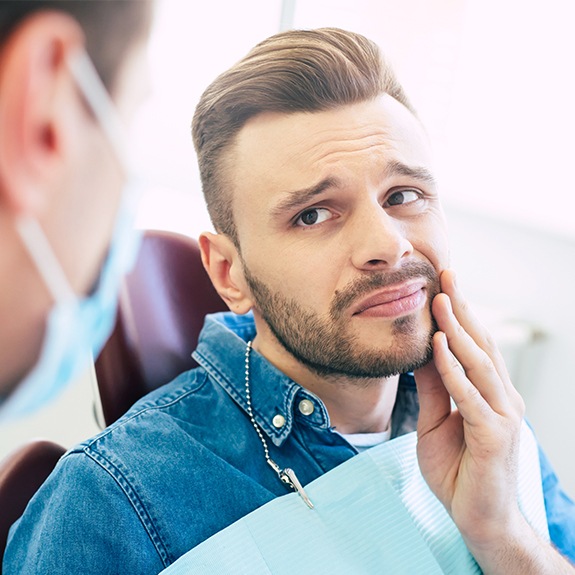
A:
[306,407]
[278,421]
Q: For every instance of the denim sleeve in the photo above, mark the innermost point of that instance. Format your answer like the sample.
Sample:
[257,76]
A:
[80,521]
[560,510]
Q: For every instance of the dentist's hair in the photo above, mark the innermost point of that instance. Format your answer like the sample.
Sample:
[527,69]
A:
[111,27]
[293,71]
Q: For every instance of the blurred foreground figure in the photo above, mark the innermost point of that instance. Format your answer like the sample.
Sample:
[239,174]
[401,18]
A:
[71,75]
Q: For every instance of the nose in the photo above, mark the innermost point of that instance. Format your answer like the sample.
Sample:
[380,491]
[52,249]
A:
[379,240]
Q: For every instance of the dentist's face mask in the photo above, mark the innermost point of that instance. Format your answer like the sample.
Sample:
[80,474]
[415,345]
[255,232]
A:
[77,327]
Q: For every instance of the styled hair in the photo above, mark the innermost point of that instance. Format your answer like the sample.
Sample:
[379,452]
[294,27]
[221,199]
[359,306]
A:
[293,71]
[111,27]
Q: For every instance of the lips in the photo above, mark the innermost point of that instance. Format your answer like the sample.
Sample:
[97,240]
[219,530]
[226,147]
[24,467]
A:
[393,300]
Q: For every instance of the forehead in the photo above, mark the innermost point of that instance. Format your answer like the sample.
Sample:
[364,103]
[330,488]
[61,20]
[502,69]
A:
[279,153]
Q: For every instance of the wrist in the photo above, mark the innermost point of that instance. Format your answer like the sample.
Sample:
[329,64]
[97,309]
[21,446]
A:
[517,550]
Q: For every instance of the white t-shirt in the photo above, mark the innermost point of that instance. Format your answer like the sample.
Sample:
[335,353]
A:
[363,441]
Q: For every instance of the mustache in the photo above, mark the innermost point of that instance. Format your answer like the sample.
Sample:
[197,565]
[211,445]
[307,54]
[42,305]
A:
[364,285]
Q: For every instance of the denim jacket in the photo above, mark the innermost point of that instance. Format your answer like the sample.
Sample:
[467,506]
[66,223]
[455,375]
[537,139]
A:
[186,461]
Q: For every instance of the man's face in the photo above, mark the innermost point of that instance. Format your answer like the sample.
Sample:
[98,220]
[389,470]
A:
[341,236]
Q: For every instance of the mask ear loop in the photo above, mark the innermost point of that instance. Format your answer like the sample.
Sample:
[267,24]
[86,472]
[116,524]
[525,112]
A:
[98,99]
[46,262]
[94,92]
[88,81]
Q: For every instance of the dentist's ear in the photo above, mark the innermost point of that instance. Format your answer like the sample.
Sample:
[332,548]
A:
[38,97]
[224,266]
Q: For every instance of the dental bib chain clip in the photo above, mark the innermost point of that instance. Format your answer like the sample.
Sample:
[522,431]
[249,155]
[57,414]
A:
[286,475]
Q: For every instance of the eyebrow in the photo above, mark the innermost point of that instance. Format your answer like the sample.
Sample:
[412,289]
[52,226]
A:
[298,198]
[417,172]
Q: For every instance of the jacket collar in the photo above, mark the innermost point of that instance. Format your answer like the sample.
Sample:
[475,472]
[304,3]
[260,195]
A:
[221,352]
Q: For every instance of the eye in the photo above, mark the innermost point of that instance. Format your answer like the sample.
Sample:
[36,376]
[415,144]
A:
[402,197]
[313,216]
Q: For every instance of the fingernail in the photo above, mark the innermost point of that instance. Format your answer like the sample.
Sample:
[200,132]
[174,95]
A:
[442,340]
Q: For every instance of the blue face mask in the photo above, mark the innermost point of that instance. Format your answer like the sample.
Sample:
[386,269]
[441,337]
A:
[77,328]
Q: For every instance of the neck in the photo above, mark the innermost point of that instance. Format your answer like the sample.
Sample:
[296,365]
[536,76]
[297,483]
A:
[357,406]
[354,405]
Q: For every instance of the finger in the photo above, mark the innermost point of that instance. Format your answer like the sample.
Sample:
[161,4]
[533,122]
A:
[479,369]
[434,399]
[471,404]
[479,333]
[471,324]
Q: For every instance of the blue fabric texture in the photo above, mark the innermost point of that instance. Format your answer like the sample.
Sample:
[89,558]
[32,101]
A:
[185,462]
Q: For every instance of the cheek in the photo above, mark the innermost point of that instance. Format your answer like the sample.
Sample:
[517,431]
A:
[306,276]
[433,244]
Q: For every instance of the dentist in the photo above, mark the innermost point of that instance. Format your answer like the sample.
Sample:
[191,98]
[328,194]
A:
[71,76]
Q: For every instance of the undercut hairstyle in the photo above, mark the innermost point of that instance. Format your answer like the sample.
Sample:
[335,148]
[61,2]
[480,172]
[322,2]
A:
[111,27]
[293,71]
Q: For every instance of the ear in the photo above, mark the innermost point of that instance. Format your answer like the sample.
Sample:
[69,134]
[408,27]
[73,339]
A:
[224,266]
[36,92]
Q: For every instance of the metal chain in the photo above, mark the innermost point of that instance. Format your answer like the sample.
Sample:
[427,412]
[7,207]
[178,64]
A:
[251,412]
[287,475]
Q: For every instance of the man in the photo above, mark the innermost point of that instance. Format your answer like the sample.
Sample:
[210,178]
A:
[62,173]
[331,250]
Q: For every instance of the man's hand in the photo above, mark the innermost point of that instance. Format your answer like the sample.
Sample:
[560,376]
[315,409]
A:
[469,454]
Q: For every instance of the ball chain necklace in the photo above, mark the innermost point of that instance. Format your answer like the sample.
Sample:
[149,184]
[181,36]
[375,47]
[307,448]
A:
[286,475]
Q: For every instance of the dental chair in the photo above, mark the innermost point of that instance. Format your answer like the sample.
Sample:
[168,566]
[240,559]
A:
[21,474]
[161,312]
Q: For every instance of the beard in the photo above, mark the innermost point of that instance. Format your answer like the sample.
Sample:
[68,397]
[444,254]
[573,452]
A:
[325,344]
